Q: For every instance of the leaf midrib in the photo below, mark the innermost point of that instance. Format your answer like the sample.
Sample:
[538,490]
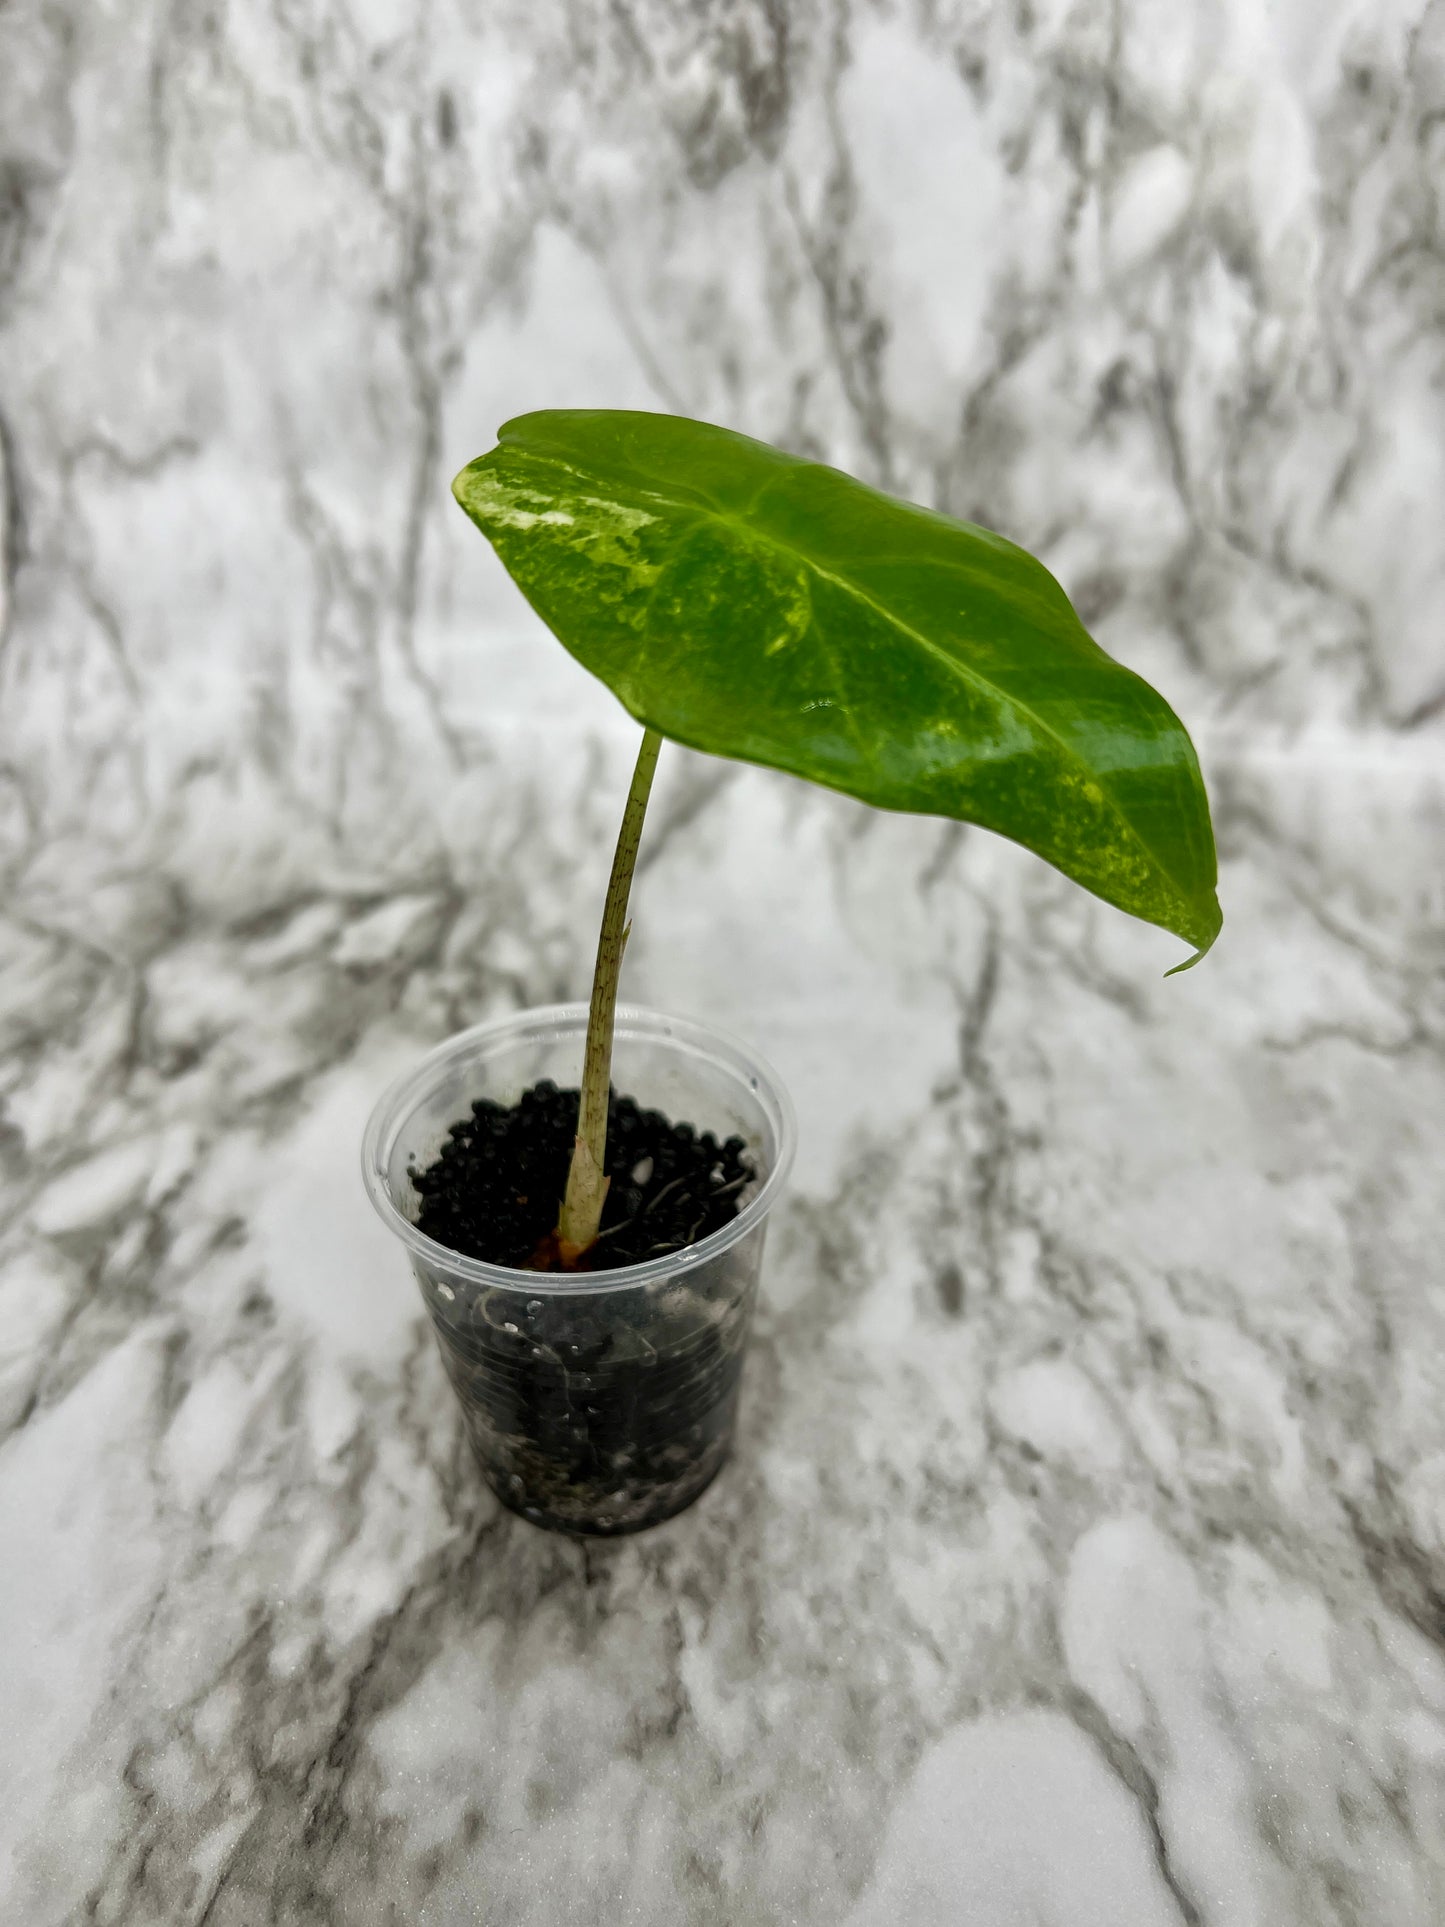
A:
[975,680]
[972,678]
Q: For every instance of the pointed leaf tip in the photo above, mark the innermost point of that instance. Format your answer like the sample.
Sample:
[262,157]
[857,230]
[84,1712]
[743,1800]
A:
[1203,950]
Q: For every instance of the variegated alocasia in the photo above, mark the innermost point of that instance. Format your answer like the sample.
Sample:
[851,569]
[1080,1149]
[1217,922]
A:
[755,605]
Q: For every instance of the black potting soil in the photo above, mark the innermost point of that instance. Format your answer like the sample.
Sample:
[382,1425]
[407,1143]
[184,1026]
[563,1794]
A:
[494,1189]
[592,1409]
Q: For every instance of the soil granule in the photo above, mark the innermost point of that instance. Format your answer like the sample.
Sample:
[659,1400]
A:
[494,1189]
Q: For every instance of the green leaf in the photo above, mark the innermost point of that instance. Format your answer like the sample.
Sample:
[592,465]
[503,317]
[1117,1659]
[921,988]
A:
[755,605]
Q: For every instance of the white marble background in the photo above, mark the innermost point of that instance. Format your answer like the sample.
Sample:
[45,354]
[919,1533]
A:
[1082,1563]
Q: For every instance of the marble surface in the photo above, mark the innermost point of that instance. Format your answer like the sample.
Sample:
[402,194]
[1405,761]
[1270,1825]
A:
[1082,1560]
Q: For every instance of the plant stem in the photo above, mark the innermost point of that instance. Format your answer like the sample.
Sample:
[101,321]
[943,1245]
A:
[581,1214]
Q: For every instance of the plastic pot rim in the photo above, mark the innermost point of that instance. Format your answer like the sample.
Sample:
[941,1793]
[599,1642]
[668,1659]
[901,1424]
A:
[399,1100]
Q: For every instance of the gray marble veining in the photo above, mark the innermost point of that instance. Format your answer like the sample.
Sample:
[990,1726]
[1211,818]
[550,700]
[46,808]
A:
[1083,1556]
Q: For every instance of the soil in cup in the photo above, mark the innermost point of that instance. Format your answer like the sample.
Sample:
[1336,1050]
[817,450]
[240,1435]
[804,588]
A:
[592,1410]
[494,1188]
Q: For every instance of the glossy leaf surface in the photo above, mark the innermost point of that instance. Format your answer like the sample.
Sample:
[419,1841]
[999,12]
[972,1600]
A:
[755,605]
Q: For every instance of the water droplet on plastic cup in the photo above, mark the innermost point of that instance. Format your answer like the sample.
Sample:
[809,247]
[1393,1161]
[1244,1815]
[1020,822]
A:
[534,1306]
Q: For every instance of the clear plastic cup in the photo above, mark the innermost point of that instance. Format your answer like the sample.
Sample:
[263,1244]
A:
[600,1402]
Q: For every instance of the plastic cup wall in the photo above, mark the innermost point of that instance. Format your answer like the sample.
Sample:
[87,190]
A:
[605,1401]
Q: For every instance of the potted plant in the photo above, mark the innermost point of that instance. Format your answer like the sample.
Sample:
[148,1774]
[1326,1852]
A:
[589,1260]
